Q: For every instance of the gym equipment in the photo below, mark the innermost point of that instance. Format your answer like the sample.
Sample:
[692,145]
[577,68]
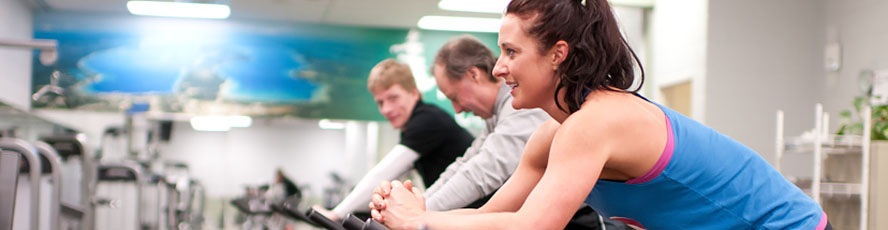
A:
[183,195]
[171,200]
[45,191]
[9,167]
[74,170]
[184,204]
[336,192]
[351,222]
[197,205]
[258,212]
[371,224]
[70,217]
[322,220]
[137,196]
[27,197]
[256,208]
[50,191]
[73,155]
[288,208]
[117,197]
[251,207]
[152,200]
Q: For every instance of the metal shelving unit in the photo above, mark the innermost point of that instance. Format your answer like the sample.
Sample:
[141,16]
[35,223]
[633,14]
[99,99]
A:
[822,145]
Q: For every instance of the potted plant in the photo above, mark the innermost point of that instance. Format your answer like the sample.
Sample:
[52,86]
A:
[853,125]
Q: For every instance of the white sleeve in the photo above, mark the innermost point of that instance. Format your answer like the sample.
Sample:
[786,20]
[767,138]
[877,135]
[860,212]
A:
[397,162]
[492,162]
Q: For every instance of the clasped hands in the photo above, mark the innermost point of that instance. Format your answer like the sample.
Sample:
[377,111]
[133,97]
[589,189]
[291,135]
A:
[398,205]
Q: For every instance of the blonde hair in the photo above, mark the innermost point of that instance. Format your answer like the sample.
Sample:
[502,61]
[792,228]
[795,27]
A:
[389,72]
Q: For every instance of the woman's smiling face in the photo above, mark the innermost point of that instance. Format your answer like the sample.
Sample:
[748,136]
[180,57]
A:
[529,73]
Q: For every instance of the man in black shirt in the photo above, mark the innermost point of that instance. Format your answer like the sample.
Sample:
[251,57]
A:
[435,136]
[430,138]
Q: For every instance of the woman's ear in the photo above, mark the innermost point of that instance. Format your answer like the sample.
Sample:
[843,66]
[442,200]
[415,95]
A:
[559,53]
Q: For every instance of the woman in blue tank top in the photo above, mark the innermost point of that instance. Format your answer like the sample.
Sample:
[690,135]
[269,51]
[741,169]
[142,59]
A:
[630,159]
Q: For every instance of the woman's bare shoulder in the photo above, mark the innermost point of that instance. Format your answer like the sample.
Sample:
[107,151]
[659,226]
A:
[610,117]
[603,110]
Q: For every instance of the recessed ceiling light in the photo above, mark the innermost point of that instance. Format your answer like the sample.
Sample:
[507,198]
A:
[480,6]
[470,24]
[178,9]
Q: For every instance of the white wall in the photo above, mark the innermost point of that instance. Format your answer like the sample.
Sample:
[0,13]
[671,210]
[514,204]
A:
[226,161]
[678,49]
[16,23]
[860,27]
[762,56]
[632,23]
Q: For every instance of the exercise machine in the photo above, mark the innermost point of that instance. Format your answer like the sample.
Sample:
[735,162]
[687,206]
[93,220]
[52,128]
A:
[73,162]
[118,194]
[9,167]
[350,222]
[27,199]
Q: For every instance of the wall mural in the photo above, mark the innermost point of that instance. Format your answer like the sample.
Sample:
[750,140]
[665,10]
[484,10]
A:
[109,62]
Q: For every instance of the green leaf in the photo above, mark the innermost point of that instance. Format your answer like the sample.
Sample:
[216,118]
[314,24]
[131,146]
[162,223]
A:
[878,131]
[884,133]
[858,103]
[855,129]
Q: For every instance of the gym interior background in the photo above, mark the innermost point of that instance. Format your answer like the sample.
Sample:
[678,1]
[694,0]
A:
[287,78]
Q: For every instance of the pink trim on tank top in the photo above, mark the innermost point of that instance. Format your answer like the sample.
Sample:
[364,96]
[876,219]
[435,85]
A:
[662,162]
[823,221]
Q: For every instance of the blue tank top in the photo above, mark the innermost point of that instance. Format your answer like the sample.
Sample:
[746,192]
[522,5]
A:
[706,180]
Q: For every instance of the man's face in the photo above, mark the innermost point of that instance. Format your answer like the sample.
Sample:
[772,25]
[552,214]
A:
[395,104]
[464,94]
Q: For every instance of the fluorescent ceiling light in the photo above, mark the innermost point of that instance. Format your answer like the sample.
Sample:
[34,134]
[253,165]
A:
[219,123]
[480,6]
[328,124]
[179,9]
[470,24]
[240,121]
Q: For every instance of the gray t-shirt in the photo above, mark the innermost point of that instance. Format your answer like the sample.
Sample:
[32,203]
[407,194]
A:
[490,160]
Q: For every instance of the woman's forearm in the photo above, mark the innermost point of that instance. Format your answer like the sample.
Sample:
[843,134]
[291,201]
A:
[464,211]
[458,219]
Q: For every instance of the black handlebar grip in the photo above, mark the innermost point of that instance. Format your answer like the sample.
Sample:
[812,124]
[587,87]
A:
[373,225]
[323,220]
[352,222]
[290,210]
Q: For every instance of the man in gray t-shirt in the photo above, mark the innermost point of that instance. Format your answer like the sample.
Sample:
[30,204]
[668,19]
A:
[462,70]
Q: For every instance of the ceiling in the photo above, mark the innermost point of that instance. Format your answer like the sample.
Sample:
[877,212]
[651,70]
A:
[374,13]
